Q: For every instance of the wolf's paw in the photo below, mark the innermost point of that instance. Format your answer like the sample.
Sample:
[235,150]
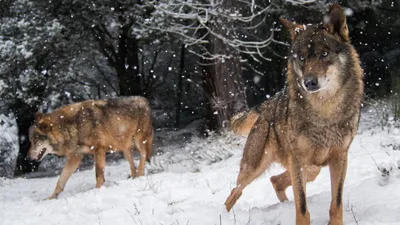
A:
[231,200]
[53,196]
[131,177]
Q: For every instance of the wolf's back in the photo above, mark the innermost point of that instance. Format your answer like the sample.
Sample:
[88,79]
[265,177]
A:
[242,123]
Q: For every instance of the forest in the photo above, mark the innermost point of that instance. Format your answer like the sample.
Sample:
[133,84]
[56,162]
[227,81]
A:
[198,62]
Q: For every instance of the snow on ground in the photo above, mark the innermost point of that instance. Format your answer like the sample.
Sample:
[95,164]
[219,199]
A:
[188,184]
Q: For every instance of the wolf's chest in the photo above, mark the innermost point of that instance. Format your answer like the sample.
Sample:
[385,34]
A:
[325,137]
[317,144]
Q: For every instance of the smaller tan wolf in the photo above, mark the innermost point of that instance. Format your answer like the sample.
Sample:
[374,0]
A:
[93,127]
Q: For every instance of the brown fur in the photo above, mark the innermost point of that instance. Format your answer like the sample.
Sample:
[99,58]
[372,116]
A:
[93,127]
[305,126]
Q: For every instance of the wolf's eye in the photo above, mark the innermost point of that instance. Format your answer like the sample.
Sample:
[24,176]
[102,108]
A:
[324,54]
[301,58]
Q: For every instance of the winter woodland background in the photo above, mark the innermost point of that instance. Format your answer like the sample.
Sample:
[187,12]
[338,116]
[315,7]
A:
[197,61]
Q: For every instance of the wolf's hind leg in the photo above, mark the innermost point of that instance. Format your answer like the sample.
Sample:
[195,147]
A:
[312,172]
[149,145]
[282,181]
[258,155]
[70,166]
[246,175]
[128,156]
[140,146]
[100,160]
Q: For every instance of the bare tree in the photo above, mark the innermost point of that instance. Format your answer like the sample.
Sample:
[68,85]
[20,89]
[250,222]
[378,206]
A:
[222,70]
[218,32]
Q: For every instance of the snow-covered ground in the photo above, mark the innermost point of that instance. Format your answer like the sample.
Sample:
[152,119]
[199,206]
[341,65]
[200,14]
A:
[188,184]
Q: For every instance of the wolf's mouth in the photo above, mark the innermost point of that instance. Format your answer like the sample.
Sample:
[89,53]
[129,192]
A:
[41,153]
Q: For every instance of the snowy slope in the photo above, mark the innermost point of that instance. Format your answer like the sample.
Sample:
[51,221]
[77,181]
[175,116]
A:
[182,187]
[8,145]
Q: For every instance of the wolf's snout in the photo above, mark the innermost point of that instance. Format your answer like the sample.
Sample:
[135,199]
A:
[311,83]
[36,155]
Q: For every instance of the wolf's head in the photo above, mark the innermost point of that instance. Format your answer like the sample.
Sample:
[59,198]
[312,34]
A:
[40,136]
[320,54]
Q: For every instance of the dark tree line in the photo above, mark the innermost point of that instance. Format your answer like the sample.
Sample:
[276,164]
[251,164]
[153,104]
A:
[194,61]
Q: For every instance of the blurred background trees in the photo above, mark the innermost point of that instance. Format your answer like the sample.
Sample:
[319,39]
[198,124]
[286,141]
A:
[197,61]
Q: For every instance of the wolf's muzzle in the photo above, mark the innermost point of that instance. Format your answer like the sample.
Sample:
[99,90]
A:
[38,157]
[311,83]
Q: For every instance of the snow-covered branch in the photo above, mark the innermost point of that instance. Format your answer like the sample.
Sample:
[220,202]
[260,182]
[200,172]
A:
[235,24]
[194,22]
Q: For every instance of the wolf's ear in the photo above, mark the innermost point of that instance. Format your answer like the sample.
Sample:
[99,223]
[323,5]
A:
[336,22]
[44,125]
[293,28]
[38,116]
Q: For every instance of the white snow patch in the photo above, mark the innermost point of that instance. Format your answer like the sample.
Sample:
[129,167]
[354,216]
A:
[179,195]
[9,146]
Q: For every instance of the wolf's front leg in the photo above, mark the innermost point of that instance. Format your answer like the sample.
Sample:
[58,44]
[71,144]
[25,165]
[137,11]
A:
[298,180]
[337,169]
[100,160]
[70,166]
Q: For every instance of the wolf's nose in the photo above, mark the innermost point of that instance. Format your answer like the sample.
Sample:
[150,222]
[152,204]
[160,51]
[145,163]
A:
[311,83]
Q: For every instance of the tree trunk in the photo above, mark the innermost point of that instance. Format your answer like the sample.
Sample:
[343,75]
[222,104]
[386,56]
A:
[129,80]
[123,58]
[180,87]
[223,83]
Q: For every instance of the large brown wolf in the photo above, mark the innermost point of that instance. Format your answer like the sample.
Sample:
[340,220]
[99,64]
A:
[93,127]
[312,122]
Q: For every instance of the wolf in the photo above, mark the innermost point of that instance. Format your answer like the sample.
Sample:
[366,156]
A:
[93,127]
[312,121]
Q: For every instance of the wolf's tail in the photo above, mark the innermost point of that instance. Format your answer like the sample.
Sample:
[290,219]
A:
[242,123]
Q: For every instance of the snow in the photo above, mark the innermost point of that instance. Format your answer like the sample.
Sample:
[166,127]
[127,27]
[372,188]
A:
[9,146]
[188,184]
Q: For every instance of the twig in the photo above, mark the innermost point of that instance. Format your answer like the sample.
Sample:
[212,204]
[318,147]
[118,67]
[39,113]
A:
[132,216]
[97,208]
[248,222]
[354,214]
[234,217]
